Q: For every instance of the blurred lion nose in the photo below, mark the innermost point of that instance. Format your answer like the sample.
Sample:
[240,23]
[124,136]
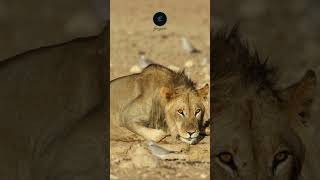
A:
[191,132]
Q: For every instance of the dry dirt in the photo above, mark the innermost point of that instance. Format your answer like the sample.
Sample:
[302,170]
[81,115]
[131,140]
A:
[132,160]
[133,35]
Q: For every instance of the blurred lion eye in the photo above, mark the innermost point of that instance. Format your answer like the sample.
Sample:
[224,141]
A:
[225,158]
[197,111]
[180,111]
[279,158]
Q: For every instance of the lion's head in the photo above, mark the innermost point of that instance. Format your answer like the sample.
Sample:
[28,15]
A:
[257,126]
[184,111]
[256,135]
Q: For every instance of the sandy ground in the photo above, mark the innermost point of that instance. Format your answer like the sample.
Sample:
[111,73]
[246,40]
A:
[133,35]
[132,160]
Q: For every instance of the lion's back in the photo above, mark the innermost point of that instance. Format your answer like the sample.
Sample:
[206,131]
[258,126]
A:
[124,90]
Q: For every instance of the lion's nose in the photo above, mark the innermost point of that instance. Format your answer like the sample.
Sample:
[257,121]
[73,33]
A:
[191,132]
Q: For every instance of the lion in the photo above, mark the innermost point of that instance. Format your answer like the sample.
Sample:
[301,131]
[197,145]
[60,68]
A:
[53,111]
[259,131]
[156,103]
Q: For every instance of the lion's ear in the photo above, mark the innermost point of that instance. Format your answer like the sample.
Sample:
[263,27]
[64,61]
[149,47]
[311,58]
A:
[204,91]
[299,96]
[166,93]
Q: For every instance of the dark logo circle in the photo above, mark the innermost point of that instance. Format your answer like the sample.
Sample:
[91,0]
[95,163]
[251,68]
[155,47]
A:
[159,19]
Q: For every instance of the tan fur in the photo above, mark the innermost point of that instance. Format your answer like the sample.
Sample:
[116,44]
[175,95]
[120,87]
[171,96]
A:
[147,104]
[52,112]
[256,124]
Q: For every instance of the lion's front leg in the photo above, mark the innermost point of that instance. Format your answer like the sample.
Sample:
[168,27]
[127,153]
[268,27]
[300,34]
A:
[173,129]
[134,118]
[147,133]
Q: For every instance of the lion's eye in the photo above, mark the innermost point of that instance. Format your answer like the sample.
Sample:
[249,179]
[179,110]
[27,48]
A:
[279,158]
[180,111]
[197,111]
[227,159]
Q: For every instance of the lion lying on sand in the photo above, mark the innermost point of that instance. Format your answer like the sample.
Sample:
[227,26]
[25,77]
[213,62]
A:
[156,103]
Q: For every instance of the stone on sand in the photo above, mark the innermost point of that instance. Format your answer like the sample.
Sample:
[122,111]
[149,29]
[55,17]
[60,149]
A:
[135,69]
[144,61]
[205,61]
[189,64]
[174,68]
[187,46]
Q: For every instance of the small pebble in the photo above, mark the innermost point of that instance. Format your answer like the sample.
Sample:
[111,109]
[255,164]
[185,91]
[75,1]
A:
[144,61]
[113,177]
[205,61]
[157,150]
[126,165]
[135,69]
[141,52]
[189,64]
[203,176]
[179,174]
[174,68]
[187,46]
